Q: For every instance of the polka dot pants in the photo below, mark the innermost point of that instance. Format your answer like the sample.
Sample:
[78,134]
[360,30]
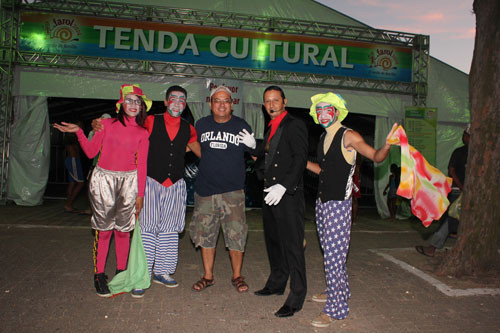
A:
[333,219]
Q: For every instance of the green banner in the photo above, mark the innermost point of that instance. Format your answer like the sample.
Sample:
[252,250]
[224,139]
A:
[420,127]
[115,38]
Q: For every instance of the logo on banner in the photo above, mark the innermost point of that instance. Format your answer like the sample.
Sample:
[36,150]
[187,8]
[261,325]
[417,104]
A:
[383,58]
[63,29]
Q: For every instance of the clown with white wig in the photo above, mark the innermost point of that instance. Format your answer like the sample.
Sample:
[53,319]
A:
[337,150]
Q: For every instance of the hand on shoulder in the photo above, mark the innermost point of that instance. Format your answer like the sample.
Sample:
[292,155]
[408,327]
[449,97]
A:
[97,125]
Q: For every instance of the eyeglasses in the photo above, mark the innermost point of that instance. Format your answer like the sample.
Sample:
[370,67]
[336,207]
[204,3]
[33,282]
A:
[219,101]
[130,101]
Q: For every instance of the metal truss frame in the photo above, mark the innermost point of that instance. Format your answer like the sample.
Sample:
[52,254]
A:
[11,56]
[420,70]
[220,19]
[160,68]
[420,44]
[9,23]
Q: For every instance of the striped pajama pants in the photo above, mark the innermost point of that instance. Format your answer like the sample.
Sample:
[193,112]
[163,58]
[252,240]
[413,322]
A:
[162,219]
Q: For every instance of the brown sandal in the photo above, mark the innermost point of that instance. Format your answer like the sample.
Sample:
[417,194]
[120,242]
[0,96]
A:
[240,284]
[203,284]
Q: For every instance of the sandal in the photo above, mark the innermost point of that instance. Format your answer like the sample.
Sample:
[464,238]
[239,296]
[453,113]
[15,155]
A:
[240,284]
[203,284]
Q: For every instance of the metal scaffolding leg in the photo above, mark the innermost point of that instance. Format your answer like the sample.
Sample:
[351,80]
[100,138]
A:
[8,44]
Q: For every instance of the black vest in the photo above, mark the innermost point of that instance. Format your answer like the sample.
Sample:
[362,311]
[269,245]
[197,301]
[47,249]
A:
[166,157]
[335,171]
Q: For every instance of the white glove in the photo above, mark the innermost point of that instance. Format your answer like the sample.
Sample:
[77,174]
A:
[275,194]
[247,139]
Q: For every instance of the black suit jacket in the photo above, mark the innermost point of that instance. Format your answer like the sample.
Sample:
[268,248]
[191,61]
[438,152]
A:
[284,159]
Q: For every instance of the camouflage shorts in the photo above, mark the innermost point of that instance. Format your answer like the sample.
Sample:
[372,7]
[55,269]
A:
[212,212]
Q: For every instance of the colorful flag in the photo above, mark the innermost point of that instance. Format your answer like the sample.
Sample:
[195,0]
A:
[425,185]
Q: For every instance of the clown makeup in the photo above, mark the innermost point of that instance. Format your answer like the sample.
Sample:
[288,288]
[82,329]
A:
[176,103]
[327,114]
[132,105]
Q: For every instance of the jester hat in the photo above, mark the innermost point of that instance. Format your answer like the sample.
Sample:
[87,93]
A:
[334,99]
[133,89]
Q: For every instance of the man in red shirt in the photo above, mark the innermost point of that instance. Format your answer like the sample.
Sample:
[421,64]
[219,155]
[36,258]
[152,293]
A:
[283,159]
[163,216]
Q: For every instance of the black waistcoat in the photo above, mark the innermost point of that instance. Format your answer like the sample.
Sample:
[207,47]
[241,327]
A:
[335,171]
[166,157]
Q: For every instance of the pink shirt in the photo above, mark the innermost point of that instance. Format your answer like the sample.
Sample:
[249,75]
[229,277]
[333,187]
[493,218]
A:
[123,148]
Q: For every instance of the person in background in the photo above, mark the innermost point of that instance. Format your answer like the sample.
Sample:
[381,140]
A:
[73,165]
[456,170]
[392,186]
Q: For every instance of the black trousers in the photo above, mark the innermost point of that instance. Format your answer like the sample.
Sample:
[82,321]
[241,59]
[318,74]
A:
[284,235]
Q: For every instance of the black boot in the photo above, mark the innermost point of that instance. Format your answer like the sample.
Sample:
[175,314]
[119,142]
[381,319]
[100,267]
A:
[101,285]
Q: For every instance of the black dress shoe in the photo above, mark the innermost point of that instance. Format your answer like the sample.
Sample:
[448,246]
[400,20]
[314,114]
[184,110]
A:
[285,311]
[268,292]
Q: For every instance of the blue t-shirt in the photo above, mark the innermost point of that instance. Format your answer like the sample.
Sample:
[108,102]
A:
[222,165]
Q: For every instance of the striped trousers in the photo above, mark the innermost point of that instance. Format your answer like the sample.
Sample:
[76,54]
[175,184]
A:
[162,219]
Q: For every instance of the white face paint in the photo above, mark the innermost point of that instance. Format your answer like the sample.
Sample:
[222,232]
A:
[176,103]
[132,105]
[326,113]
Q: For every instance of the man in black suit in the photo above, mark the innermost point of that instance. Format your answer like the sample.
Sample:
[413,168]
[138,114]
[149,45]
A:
[283,160]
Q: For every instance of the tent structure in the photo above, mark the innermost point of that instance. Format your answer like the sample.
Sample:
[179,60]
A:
[86,49]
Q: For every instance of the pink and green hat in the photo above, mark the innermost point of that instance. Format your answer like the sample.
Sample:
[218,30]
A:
[133,89]
[334,99]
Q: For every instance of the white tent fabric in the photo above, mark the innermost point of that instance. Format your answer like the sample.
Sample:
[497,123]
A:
[255,117]
[30,151]
[447,91]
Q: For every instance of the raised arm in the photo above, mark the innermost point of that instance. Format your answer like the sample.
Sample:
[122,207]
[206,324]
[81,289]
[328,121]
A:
[90,148]
[97,125]
[354,140]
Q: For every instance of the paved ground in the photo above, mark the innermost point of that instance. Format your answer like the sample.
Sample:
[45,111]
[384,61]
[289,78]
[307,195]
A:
[46,285]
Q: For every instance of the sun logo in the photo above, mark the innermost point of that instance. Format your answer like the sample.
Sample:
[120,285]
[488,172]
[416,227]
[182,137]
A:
[63,29]
[383,58]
